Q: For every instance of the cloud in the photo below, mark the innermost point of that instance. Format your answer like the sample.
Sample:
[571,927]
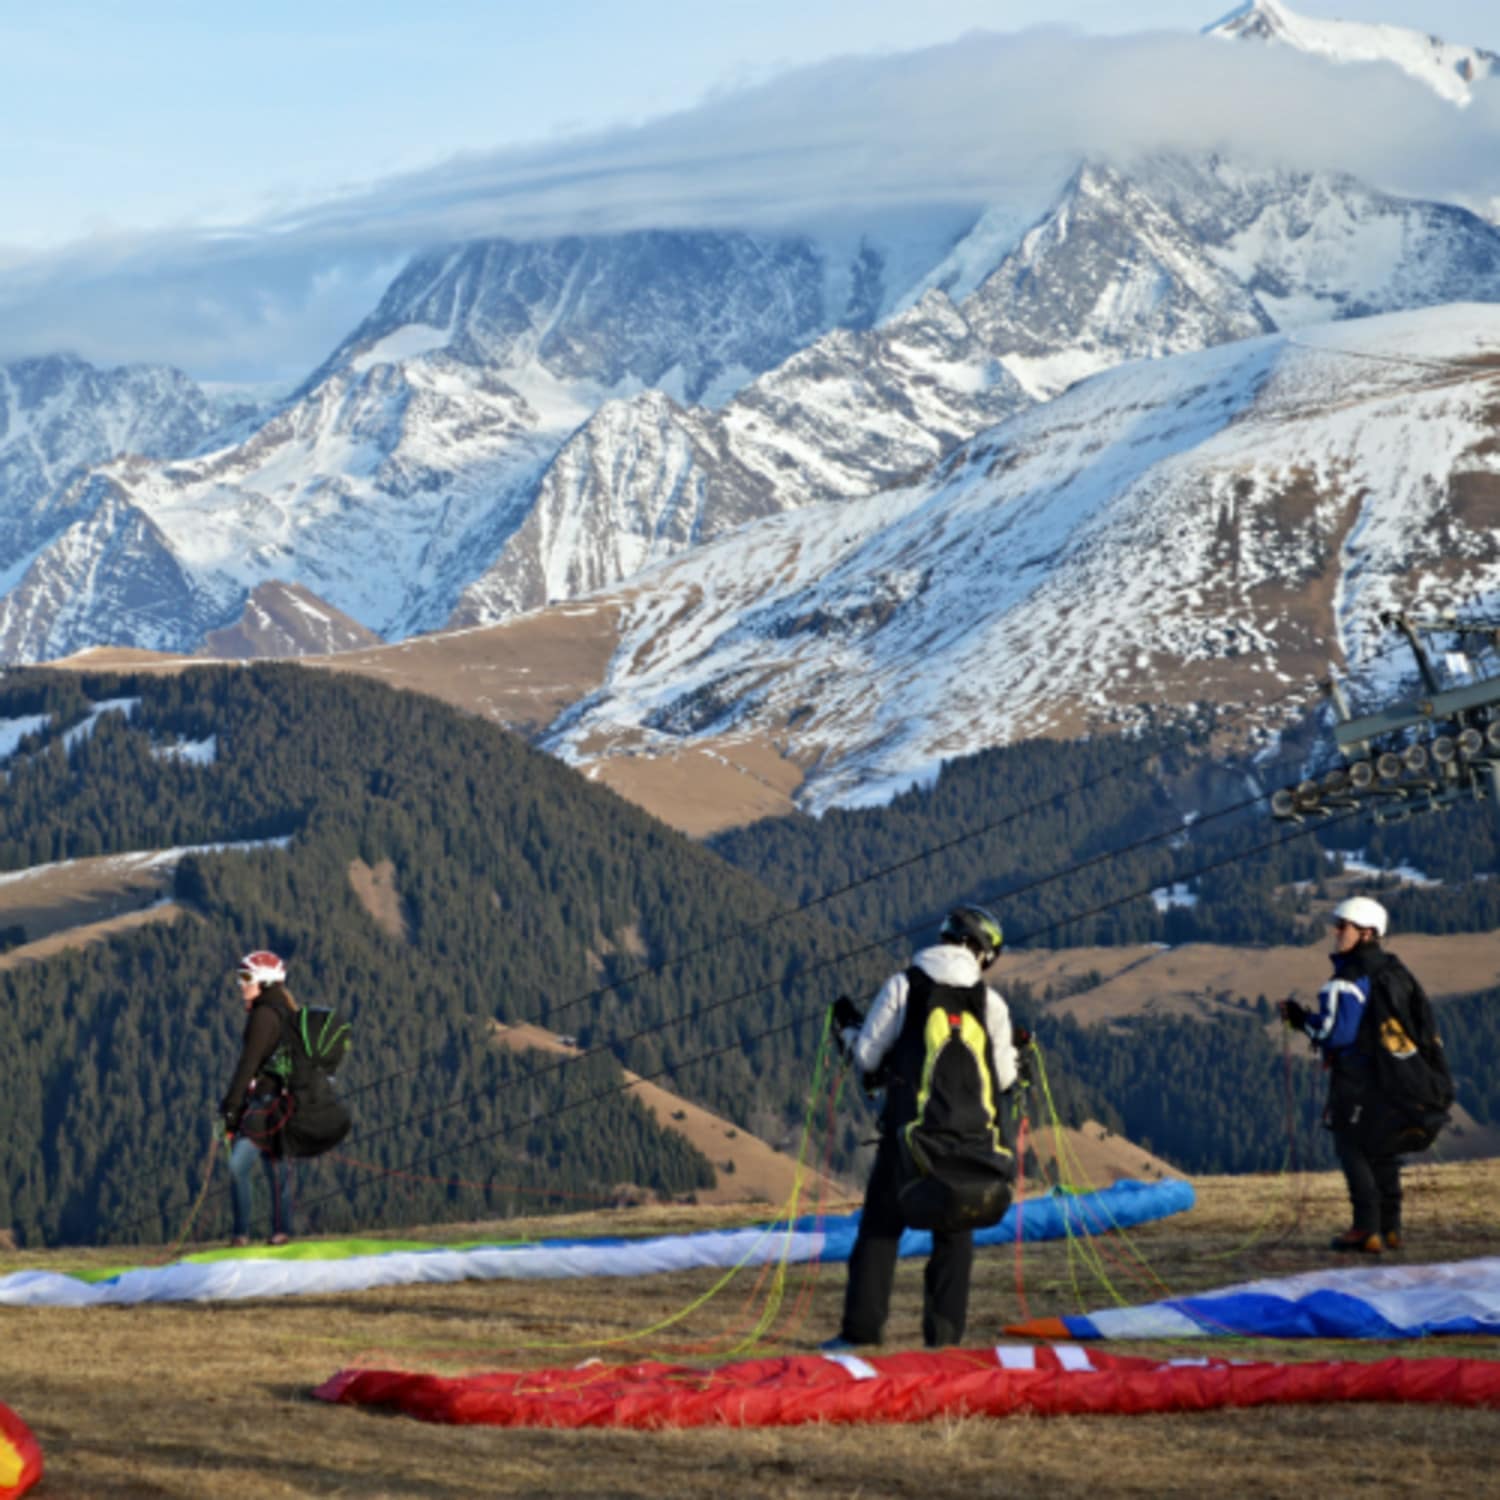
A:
[984,120]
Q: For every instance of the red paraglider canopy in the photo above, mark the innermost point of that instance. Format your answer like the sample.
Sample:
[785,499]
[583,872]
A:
[20,1457]
[901,1388]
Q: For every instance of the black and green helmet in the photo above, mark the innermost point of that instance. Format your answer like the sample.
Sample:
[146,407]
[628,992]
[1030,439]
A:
[975,928]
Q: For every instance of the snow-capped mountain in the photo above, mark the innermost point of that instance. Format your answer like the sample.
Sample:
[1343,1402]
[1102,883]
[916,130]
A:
[647,479]
[1212,526]
[111,565]
[1313,247]
[60,416]
[1108,275]
[469,453]
[693,314]
[517,423]
[1178,255]
[1449,70]
[394,477]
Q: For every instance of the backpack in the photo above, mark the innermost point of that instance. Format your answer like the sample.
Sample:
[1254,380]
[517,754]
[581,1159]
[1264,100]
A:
[314,1041]
[957,1170]
[1413,1089]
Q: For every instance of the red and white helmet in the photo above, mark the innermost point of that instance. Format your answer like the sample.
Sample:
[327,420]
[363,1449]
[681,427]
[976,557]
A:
[261,967]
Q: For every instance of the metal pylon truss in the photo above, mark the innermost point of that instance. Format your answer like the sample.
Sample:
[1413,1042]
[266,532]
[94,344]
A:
[1426,754]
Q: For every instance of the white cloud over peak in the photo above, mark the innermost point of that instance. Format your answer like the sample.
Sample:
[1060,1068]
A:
[988,119]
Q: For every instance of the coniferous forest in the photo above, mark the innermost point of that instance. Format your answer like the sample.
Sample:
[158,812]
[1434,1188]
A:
[526,893]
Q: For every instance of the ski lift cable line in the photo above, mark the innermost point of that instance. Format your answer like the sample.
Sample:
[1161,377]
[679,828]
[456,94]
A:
[157,1170]
[665,965]
[615,1045]
[671,1069]
[610,1046]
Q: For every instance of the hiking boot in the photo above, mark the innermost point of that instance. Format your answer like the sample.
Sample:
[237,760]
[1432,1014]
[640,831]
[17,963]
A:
[1357,1242]
[239,1242]
[279,1239]
[1392,1238]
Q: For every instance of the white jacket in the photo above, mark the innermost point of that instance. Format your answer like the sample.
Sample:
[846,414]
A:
[947,963]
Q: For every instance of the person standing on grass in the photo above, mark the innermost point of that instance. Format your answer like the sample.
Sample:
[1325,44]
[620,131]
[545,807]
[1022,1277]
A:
[939,1040]
[1389,1088]
[256,1107]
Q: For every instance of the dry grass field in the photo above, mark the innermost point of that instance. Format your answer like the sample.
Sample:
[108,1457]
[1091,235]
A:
[205,1401]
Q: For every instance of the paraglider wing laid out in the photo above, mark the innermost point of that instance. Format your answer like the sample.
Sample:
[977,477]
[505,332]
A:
[351,1266]
[913,1387]
[1363,1302]
[20,1456]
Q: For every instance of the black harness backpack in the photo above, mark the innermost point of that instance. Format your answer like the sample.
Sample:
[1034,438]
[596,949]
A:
[944,1106]
[314,1041]
[1412,1089]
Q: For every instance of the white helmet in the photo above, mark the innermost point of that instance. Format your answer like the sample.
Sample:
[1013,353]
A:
[262,968]
[1361,911]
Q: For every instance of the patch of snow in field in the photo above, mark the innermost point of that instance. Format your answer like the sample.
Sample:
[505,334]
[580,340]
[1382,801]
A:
[195,752]
[79,732]
[13,731]
[1354,865]
[148,859]
[1166,897]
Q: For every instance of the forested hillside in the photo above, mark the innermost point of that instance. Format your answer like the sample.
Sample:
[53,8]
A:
[1115,819]
[526,892]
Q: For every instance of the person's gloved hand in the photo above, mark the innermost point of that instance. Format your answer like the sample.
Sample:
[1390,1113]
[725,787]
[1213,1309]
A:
[1293,1014]
[845,1022]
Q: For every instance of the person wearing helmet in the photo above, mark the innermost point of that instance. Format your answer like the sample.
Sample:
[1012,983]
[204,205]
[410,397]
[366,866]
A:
[254,1107]
[1370,1011]
[888,1047]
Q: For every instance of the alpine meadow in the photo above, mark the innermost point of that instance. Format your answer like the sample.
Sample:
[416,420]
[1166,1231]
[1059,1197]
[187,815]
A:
[750,753]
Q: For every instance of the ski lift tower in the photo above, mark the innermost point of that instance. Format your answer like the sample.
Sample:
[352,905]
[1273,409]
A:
[1425,754]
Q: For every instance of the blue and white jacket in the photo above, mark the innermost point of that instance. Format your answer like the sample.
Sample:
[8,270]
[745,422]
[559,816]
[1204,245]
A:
[1334,1026]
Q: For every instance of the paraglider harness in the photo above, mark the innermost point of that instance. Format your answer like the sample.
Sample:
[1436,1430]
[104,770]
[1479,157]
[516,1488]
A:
[306,1115]
[1410,1088]
[942,1109]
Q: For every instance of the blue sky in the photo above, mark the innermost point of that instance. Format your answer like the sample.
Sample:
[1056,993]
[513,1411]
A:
[229,187]
[175,112]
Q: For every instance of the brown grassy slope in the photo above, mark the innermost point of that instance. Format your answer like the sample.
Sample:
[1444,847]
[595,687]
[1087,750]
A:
[88,932]
[1189,979]
[748,1170]
[54,897]
[202,1402]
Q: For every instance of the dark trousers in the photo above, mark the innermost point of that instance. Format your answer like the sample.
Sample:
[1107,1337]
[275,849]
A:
[1374,1185]
[872,1265]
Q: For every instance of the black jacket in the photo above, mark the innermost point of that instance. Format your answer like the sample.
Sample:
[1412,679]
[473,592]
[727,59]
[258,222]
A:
[265,1027]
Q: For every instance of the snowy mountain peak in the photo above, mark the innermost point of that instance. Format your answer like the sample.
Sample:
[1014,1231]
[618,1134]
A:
[695,313]
[1449,70]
